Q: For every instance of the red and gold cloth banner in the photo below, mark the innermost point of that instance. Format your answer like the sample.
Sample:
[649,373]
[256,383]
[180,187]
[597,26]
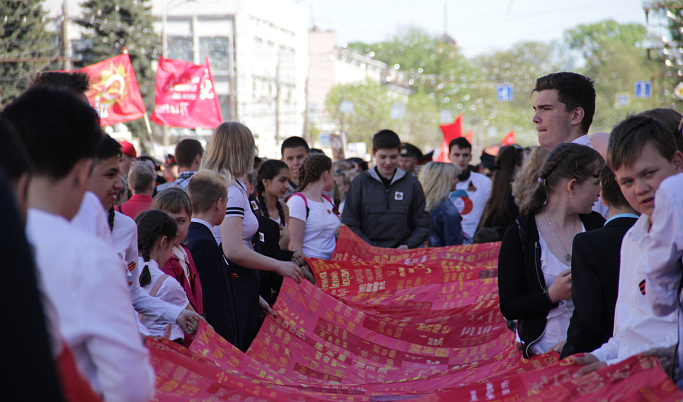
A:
[186,95]
[386,324]
[114,90]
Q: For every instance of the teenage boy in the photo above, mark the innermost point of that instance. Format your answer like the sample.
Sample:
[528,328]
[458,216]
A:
[81,274]
[188,155]
[595,272]
[473,189]
[209,196]
[385,206]
[121,233]
[641,153]
[294,150]
[564,109]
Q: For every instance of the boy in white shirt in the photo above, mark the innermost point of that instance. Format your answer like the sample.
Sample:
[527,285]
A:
[81,274]
[642,153]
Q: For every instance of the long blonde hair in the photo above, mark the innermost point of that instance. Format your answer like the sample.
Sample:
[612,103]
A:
[231,151]
[437,182]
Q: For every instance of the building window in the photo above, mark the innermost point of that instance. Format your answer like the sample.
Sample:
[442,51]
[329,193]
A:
[217,50]
[180,48]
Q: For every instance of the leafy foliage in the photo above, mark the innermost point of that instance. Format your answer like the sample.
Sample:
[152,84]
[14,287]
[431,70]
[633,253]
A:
[23,36]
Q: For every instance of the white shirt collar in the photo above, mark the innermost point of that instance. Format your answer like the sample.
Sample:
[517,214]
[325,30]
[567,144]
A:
[583,140]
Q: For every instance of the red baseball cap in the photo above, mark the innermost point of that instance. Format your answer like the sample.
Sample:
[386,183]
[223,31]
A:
[128,149]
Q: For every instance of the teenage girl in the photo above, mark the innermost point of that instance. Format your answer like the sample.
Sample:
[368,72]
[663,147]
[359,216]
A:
[313,223]
[271,185]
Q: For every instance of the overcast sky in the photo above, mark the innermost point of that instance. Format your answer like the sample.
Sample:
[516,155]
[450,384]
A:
[478,26]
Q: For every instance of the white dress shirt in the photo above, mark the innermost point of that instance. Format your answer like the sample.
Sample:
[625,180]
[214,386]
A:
[92,217]
[636,327]
[663,271]
[83,278]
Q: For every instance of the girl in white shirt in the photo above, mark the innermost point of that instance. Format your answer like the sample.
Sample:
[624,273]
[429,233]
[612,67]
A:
[156,233]
[271,185]
[313,222]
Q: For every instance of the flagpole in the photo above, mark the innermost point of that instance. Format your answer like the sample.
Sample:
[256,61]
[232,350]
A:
[149,132]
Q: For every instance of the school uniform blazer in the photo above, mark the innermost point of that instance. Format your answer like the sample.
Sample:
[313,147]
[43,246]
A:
[217,297]
[595,282]
[267,242]
[520,279]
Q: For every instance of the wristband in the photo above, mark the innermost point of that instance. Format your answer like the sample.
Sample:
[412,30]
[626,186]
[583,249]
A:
[545,292]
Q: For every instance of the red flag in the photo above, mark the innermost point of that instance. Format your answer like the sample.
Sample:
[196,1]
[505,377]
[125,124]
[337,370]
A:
[468,136]
[114,90]
[450,132]
[185,95]
[509,138]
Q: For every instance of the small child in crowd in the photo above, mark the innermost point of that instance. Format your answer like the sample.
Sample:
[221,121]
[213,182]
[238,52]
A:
[180,265]
[156,233]
[208,192]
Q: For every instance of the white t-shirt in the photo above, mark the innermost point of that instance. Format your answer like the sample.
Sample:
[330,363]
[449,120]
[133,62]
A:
[322,223]
[470,197]
[239,206]
[85,281]
[171,292]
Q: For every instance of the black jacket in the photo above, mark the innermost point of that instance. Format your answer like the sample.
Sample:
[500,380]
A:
[387,217]
[520,279]
[595,282]
[217,295]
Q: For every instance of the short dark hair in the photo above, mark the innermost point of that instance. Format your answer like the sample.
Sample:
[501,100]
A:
[611,191]
[294,142]
[628,138]
[671,119]
[13,157]
[57,128]
[574,90]
[107,148]
[75,81]
[187,150]
[461,142]
[386,139]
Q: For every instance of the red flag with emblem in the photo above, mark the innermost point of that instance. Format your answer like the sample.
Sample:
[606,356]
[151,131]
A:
[114,90]
[186,95]
[450,132]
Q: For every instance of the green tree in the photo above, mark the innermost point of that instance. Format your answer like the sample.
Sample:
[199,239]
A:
[667,54]
[24,37]
[111,26]
[615,58]
[371,109]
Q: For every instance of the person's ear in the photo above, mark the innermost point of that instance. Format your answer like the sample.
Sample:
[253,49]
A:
[578,115]
[163,243]
[83,170]
[677,160]
[571,187]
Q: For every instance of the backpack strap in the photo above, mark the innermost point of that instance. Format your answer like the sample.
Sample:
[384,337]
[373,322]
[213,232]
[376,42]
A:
[157,285]
[305,201]
[119,208]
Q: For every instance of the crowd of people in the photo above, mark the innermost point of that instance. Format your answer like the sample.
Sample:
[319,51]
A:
[587,263]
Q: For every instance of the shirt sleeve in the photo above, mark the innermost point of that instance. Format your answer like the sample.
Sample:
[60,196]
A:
[123,370]
[663,272]
[236,203]
[608,352]
[297,207]
[171,292]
